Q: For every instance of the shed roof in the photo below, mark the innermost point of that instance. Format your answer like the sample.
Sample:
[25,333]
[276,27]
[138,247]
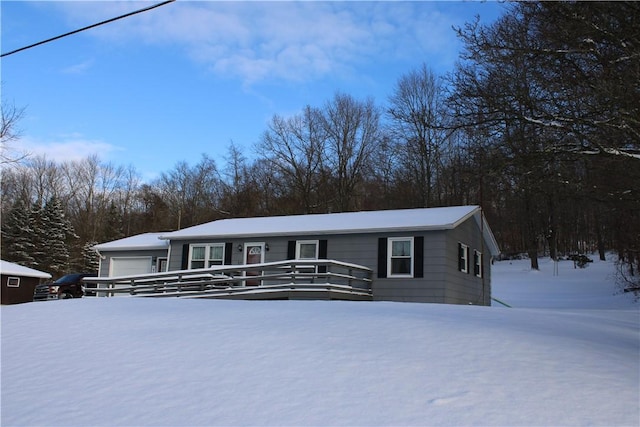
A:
[337,223]
[145,241]
[10,268]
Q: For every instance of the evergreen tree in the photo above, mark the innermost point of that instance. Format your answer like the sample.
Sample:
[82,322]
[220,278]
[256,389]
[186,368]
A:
[17,235]
[38,237]
[56,233]
[90,259]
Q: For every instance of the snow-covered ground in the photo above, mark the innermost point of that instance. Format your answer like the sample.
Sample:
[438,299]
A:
[567,354]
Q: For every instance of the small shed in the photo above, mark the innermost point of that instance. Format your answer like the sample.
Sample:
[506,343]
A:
[18,283]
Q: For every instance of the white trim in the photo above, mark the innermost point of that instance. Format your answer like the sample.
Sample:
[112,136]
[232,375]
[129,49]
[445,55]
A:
[9,285]
[478,264]
[159,262]
[390,241]
[207,253]
[307,242]
[465,257]
[262,250]
[262,246]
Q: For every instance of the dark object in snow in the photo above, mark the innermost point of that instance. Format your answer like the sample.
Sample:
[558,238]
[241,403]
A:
[69,286]
[580,260]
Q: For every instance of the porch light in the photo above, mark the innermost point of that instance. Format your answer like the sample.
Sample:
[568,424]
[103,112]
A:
[240,248]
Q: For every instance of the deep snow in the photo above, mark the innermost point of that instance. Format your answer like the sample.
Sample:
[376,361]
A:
[567,354]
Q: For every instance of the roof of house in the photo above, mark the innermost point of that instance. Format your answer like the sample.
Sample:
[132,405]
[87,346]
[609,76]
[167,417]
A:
[337,223]
[10,268]
[145,241]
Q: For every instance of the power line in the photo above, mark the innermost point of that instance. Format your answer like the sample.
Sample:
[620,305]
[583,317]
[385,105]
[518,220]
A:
[87,28]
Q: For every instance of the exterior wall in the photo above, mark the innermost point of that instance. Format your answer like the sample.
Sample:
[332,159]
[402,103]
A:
[441,281]
[467,288]
[22,293]
[105,260]
[431,288]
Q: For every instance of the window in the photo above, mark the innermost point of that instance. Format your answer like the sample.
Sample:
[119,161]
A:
[307,249]
[400,261]
[205,256]
[13,282]
[477,263]
[463,257]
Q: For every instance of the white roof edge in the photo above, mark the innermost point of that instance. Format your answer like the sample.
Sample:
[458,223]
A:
[144,241]
[467,216]
[10,268]
[488,236]
[130,248]
[322,232]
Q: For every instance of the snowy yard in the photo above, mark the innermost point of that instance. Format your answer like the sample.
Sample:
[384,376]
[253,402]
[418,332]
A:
[566,354]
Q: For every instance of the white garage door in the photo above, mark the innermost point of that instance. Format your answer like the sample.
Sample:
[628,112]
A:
[129,266]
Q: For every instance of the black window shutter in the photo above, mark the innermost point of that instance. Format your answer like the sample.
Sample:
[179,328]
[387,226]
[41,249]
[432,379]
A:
[382,257]
[322,254]
[460,257]
[291,249]
[185,257]
[476,267]
[228,251]
[322,249]
[418,256]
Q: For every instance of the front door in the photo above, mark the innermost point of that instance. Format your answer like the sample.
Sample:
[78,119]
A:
[253,254]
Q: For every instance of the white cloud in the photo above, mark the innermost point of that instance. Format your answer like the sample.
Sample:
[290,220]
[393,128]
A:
[78,68]
[291,41]
[73,147]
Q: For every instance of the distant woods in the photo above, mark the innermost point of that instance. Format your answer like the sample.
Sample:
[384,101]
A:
[539,124]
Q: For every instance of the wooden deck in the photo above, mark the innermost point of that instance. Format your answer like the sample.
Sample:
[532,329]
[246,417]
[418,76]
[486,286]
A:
[294,279]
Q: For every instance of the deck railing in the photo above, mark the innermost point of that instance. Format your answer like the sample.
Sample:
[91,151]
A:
[306,276]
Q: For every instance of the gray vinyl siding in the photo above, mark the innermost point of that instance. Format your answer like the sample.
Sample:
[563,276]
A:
[105,262]
[467,288]
[430,288]
[441,281]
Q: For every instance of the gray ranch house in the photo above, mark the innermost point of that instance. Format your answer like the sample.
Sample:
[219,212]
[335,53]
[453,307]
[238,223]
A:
[434,255]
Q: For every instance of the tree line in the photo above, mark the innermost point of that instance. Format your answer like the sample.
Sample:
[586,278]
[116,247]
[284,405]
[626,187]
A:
[539,123]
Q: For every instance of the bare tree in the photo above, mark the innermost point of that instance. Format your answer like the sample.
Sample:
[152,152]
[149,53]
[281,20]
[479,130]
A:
[553,89]
[295,147]
[10,116]
[353,135]
[417,110]
[191,193]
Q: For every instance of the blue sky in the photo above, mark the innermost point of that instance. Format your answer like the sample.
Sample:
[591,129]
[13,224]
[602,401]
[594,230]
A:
[188,78]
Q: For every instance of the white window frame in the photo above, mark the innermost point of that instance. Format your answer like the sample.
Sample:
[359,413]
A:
[207,254]
[477,263]
[465,257]
[390,256]
[13,282]
[299,244]
[159,262]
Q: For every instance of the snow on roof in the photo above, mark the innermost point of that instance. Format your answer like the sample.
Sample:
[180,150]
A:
[336,223]
[145,241]
[9,268]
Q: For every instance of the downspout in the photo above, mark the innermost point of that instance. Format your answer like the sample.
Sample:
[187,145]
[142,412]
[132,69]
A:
[482,257]
[102,257]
